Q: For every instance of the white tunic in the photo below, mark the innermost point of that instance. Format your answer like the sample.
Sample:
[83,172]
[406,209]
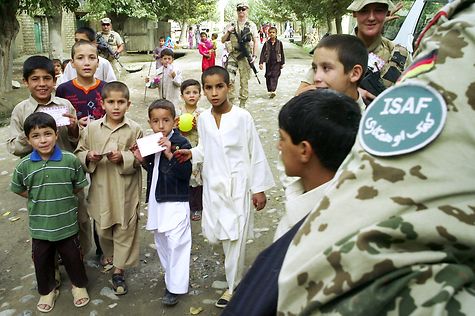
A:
[169,88]
[298,204]
[234,167]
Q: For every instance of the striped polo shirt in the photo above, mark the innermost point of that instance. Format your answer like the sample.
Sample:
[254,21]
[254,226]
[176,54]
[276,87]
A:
[52,205]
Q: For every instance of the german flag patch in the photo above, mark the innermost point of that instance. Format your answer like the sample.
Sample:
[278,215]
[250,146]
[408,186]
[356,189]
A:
[421,65]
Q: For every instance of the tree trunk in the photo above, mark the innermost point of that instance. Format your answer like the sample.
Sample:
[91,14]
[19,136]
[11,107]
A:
[54,30]
[329,25]
[184,33]
[9,27]
[303,31]
[338,25]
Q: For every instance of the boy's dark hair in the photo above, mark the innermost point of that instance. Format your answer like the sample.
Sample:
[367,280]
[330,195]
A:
[89,32]
[272,28]
[81,43]
[327,119]
[37,62]
[162,104]
[350,49]
[115,86]
[188,83]
[215,70]
[56,60]
[39,120]
[214,35]
[167,52]
[203,33]
[161,38]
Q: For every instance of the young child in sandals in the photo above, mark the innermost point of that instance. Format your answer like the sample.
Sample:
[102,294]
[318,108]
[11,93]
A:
[50,178]
[191,93]
[116,181]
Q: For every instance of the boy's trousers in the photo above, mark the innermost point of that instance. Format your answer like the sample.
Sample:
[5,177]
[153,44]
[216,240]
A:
[120,244]
[43,253]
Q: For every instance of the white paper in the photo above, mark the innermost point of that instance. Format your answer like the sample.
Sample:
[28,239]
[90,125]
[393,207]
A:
[57,113]
[149,144]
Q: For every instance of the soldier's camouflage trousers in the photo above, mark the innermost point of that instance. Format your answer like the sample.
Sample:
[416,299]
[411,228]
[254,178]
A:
[244,75]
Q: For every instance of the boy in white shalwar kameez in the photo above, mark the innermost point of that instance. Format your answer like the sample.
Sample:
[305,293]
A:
[235,171]
[167,194]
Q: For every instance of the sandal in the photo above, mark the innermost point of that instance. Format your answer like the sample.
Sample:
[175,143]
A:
[46,302]
[196,216]
[223,300]
[80,296]
[118,282]
[107,264]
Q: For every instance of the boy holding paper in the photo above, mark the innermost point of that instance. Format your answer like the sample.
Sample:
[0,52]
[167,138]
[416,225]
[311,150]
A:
[167,195]
[38,76]
[116,178]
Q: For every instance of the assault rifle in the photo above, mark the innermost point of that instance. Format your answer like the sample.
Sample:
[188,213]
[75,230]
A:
[243,38]
[104,47]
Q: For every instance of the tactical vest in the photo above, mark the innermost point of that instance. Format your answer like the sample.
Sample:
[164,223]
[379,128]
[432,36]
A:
[234,41]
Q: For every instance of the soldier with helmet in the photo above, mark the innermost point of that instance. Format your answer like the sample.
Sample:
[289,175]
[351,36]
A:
[239,36]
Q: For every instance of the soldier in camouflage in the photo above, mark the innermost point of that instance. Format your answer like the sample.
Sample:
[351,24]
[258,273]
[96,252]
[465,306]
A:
[244,30]
[395,235]
[385,59]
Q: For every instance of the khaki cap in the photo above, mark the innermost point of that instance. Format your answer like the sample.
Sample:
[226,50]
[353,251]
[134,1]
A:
[242,5]
[105,21]
[357,5]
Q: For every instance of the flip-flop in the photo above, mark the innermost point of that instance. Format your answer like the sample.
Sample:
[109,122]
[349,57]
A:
[80,294]
[47,300]
[196,216]
[107,264]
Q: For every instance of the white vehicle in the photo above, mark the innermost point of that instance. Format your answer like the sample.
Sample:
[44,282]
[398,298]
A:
[414,16]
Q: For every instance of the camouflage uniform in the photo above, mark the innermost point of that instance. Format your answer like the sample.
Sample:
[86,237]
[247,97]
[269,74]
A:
[396,235]
[395,57]
[114,40]
[235,64]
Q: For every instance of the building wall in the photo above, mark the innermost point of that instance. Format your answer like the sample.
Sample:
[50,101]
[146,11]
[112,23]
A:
[25,44]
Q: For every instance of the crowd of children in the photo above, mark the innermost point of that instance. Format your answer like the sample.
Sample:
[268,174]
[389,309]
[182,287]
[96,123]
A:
[215,172]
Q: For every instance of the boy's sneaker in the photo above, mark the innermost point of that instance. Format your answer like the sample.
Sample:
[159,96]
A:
[169,299]
[272,95]
[223,300]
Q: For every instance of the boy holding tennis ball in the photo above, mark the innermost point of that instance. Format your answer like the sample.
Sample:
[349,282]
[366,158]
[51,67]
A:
[191,93]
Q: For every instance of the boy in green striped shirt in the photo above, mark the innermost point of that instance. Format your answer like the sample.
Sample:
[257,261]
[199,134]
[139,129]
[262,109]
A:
[49,178]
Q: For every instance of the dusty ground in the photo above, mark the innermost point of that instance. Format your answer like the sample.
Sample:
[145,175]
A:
[18,295]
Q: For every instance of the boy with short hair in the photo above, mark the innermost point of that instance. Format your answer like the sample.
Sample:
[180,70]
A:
[52,209]
[191,93]
[84,91]
[317,131]
[272,54]
[114,194]
[235,171]
[168,78]
[58,72]
[157,52]
[104,70]
[339,63]
[167,197]
[38,76]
